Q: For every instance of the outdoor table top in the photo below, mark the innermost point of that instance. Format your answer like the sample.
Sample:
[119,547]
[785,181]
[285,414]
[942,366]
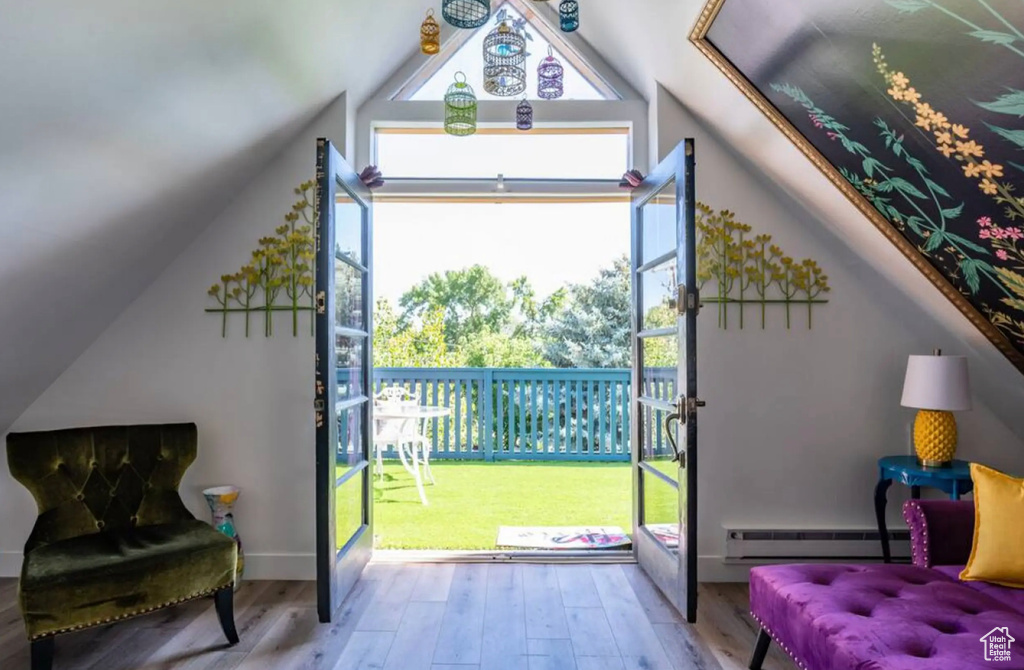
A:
[394,411]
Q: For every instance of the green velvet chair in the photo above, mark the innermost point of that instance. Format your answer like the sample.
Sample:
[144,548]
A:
[113,539]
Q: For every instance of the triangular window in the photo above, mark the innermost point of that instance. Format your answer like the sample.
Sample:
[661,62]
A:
[580,83]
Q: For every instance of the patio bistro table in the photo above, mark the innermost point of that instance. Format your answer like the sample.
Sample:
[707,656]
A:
[414,415]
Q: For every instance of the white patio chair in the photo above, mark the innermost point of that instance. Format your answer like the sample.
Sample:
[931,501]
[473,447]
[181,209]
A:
[391,431]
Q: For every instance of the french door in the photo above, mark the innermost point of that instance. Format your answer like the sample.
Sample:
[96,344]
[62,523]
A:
[344,365]
[665,302]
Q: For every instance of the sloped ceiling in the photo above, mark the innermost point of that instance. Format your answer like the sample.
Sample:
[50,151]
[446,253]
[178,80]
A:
[125,127]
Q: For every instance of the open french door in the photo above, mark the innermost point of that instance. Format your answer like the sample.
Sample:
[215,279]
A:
[344,366]
[665,302]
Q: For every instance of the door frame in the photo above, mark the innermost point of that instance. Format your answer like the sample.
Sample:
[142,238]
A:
[339,569]
[675,573]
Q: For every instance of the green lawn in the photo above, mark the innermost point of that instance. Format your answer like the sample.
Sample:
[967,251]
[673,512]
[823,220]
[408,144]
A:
[470,501]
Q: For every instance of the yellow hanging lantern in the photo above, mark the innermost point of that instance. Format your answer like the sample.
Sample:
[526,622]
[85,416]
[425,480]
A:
[430,34]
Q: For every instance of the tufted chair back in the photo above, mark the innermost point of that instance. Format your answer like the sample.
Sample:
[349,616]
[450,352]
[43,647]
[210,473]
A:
[91,480]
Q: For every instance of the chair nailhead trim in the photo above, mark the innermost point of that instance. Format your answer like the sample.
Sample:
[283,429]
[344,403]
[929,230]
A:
[786,649]
[198,594]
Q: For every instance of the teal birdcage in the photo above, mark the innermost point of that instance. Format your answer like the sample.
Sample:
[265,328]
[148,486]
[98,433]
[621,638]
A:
[466,13]
[569,15]
[505,61]
[460,107]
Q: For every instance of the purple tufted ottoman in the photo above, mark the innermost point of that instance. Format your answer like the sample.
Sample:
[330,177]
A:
[878,617]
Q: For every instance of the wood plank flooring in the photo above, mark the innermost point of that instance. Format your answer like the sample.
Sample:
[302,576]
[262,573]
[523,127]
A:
[426,617]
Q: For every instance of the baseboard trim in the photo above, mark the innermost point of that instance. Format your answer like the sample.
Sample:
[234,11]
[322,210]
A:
[10,563]
[287,567]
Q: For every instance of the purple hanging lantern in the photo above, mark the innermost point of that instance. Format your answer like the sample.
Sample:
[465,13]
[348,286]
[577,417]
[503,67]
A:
[524,115]
[550,77]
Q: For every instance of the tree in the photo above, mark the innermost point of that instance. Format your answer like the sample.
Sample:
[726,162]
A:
[592,330]
[471,300]
[496,350]
[399,346]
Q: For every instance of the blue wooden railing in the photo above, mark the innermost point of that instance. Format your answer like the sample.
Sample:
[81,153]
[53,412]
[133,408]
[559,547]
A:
[548,414]
[522,413]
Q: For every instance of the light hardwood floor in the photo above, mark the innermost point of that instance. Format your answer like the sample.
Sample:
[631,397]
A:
[426,617]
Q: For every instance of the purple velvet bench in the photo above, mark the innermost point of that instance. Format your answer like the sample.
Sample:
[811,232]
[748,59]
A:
[890,617]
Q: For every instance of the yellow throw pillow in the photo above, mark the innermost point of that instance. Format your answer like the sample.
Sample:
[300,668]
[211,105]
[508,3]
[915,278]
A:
[997,555]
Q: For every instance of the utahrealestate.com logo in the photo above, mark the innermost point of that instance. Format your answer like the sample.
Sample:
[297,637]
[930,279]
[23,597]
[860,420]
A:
[997,644]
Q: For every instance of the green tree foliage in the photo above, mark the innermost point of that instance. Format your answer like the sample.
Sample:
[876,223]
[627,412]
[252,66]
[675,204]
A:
[591,330]
[472,301]
[410,346]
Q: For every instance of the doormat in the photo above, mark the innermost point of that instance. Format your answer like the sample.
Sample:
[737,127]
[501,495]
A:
[562,537]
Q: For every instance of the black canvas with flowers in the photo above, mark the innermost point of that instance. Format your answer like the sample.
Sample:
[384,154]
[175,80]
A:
[919,104]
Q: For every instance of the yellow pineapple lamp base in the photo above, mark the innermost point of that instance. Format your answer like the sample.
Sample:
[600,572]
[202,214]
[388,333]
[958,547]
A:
[935,437]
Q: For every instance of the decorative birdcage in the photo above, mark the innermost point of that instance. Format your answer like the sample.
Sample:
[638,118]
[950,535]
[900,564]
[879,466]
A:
[550,77]
[505,61]
[460,107]
[430,34]
[569,15]
[524,115]
[466,13]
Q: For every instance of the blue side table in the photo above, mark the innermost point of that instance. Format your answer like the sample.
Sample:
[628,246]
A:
[955,480]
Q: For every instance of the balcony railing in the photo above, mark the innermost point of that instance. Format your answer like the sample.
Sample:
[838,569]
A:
[545,414]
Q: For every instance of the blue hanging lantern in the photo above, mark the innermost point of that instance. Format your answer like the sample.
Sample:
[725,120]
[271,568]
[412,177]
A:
[569,15]
[466,13]
[505,61]
[524,115]
[550,77]
[460,107]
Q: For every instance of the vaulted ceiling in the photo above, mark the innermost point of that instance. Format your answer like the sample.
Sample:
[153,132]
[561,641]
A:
[126,127]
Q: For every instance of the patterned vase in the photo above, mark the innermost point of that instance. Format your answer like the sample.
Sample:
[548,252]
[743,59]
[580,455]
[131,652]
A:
[221,500]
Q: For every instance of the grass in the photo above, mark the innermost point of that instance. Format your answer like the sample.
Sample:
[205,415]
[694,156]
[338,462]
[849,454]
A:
[470,501]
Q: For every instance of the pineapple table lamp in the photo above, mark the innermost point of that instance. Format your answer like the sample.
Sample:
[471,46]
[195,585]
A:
[936,386]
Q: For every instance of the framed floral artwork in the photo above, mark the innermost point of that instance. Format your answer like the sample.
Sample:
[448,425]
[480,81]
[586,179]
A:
[915,110]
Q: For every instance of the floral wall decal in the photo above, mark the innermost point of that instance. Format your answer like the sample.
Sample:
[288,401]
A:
[279,275]
[736,268]
[915,108]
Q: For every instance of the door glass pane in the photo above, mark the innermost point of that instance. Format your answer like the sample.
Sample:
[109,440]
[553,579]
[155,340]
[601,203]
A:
[351,430]
[348,296]
[654,438]
[350,366]
[658,289]
[348,216]
[660,360]
[658,217]
[661,509]
[349,510]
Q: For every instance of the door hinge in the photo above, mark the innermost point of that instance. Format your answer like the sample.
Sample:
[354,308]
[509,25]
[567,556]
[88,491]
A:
[318,405]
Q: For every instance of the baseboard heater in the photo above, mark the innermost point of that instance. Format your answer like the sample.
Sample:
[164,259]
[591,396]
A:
[761,545]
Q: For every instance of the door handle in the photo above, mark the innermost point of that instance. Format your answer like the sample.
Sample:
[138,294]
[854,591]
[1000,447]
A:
[677,456]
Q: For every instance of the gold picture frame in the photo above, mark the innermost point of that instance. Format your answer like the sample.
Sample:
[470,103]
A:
[698,36]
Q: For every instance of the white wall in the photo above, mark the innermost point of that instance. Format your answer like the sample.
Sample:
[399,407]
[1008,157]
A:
[796,419]
[164,360]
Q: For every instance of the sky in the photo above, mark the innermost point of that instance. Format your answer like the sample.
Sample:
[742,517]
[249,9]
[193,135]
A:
[552,244]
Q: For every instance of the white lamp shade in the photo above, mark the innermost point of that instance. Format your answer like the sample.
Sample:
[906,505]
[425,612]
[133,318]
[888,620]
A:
[937,383]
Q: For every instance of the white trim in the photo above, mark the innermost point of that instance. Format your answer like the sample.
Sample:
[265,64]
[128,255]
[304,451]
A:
[288,567]
[631,114]
[10,563]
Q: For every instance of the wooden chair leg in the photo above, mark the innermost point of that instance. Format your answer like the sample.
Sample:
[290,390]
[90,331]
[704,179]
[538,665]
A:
[764,640]
[42,654]
[224,600]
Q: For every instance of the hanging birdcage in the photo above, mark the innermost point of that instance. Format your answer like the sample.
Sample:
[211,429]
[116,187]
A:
[504,61]
[569,15]
[550,77]
[430,34]
[460,107]
[466,13]
[524,115]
